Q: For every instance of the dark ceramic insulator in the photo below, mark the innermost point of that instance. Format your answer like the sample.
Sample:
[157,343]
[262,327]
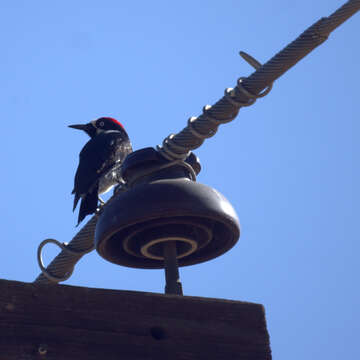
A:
[163,205]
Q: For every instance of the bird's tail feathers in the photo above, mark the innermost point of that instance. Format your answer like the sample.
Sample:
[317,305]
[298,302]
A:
[76,199]
[88,204]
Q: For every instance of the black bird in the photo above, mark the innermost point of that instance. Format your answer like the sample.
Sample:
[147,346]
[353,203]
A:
[100,162]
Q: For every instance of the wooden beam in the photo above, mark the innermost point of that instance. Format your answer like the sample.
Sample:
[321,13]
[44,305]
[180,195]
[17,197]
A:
[58,322]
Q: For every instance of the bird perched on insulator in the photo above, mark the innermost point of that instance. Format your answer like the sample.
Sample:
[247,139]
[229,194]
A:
[100,162]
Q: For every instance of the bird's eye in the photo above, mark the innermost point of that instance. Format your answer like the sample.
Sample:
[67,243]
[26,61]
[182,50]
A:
[101,123]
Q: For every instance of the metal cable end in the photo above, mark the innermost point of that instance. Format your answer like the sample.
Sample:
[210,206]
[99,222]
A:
[64,247]
[250,60]
[256,65]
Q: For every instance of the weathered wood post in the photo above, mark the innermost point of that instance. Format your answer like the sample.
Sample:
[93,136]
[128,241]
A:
[58,322]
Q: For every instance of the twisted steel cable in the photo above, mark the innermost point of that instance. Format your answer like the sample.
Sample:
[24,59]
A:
[177,147]
[248,89]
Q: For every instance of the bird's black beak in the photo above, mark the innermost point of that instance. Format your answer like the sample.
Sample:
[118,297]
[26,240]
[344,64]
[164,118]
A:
[79,127]
[88,128]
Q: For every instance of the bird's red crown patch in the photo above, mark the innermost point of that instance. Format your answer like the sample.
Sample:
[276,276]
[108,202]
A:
[115,121]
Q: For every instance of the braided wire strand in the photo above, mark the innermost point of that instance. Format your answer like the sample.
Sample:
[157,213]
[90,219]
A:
[225,109]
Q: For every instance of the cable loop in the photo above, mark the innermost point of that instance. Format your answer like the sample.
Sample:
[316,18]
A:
[196,133]
[252,97]
[174,145]
[168,145]
[181,163]
[64,247]
[265,92]
[228,95]
[206,115]
[168,153]
[173,154]
[165,166]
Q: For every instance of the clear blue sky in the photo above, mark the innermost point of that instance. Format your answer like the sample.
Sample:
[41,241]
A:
[289,164]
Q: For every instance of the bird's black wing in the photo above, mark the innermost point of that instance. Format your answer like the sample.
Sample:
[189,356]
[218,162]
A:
[97,157]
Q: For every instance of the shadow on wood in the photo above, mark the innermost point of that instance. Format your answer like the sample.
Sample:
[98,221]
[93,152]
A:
[68,322]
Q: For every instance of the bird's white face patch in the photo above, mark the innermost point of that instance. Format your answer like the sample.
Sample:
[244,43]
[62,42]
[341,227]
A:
[98,129]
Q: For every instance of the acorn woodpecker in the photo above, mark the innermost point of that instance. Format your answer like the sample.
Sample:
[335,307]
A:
[100,162]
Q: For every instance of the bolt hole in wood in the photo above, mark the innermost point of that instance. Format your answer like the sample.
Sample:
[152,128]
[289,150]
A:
[157,333]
